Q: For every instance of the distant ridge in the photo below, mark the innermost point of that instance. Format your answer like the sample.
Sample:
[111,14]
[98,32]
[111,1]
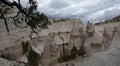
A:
[114,19]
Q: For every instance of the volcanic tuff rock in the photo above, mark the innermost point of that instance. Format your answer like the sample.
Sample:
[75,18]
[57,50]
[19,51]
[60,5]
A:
[58,39]
[57,34]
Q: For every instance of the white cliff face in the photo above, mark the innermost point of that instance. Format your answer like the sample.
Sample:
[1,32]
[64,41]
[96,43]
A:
[110,57]
[48,44]
[104,37]
[95,39]
[61,32]
[62,29]
[58,27]
[16,34]
[77,35]
[115,39]
[111,37]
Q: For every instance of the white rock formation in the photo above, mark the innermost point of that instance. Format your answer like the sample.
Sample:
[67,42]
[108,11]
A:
[77,35]
[115,40]
[61,34]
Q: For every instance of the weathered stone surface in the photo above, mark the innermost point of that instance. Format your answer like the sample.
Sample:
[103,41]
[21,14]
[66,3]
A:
[5,62]
[77,35]
[49,44]
[108,34]
[115,39]
[50,53]
[105,58]
[56,40]
[93,42]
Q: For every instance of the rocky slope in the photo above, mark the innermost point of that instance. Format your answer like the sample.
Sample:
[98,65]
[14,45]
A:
[48,41]
[105,58]
[109,55]
[101,42]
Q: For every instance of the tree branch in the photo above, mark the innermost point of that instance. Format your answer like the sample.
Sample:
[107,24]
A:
[32,18]
[18,5]
[5,21]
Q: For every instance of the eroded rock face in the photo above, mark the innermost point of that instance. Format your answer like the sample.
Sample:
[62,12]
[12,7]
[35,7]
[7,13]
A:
[10,46]
[56,40]
[50,53]
[64,46]
[49,44]
[105,58]
[13,52]
[77,35]
[115,39]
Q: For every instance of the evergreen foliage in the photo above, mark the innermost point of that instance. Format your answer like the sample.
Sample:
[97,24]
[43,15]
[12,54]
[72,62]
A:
[64,58]
[28,15]
[74,53]
[33,57]
[82,50]
[25,46]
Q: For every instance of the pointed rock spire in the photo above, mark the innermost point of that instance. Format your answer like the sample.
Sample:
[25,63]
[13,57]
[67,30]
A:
[115,39]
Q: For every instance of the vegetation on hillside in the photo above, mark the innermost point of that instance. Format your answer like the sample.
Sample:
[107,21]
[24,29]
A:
[74,53]
[114,19]
[32,56]
[25,46]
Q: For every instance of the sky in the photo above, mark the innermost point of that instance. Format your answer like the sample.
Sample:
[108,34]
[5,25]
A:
[86,10]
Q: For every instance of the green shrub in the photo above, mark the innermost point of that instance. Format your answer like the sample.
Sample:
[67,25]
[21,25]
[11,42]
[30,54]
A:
[60,60]
[33,58]
[82,50]
[73,55]
[74,52]
[25,46]
[64,58]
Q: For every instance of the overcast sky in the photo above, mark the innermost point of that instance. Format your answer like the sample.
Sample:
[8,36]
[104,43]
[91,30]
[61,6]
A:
[86,10]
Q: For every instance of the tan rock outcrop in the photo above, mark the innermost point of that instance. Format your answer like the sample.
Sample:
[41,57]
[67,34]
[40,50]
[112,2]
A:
[50,54]
[49,43]
[115,39]
[77,35]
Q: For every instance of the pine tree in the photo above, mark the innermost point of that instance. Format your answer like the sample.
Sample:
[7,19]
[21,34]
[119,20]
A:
[28,15]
